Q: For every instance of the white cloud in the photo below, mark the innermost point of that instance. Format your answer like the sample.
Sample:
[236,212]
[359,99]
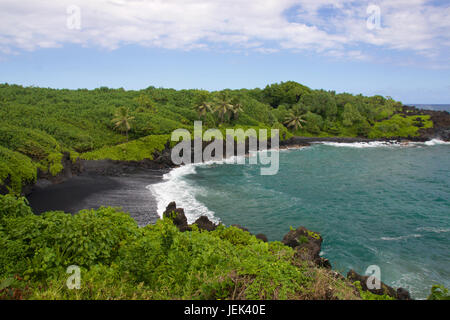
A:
[323,26]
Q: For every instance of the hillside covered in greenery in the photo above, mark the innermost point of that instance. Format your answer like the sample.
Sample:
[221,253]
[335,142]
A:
[38,125]
[118,259]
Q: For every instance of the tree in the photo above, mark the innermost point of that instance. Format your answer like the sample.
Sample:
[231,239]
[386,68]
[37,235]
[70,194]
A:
[288,92]
[351,115]
[145,102]
[314,122]
[122,120]
[295,119]
[203,109]
[223,107]
[236,110]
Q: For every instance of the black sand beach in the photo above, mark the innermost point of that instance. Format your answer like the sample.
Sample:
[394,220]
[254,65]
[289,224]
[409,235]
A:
[91,191]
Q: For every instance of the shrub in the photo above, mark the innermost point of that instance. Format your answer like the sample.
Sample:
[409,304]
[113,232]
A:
[439,292]
[16,170]
[143,148]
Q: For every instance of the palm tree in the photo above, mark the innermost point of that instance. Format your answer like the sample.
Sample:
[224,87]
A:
[236,110]
[223,107]
[294,119]
[203,108]
[122,120]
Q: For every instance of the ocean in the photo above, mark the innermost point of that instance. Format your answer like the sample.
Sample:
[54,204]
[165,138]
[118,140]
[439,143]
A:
[374,204]
[434,107]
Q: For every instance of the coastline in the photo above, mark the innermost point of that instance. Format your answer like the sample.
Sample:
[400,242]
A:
[127,185]
[89,184]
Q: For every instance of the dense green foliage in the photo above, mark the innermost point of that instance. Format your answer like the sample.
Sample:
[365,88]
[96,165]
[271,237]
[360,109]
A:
[400,125]
[439,292]
[15,170]
[367,295]
[118,259]
[135,150]
[41,123]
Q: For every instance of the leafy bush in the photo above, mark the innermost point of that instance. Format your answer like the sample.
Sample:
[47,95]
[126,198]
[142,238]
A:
[42,246]
[439,292]
[399,126]
[16,170]
[120,260]
[140,149]
[367,295]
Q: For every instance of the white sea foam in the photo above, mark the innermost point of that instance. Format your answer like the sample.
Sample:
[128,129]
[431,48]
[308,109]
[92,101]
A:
[175,188]
[433,229]
[434,142]
[371,144]
[401,237]
[377,144]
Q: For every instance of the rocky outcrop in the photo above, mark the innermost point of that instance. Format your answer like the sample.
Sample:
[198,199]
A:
[307,245]
[400,293]
[441,123]
[178,217]
[180,221]
[203,223]
[262,237]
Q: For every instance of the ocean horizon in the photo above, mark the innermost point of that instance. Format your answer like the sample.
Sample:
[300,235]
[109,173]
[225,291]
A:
[431,106]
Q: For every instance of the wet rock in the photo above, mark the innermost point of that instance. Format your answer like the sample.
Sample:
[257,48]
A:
[204,223]
[400,293]
[171,207]
[324,263]
[178,217]
[262,237]
[403,294]
[307,245]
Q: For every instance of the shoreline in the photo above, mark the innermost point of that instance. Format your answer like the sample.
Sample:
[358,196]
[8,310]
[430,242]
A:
[91,191]
[130,189]
[96,183]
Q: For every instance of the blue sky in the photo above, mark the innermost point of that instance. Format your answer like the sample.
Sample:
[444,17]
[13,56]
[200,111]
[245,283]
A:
[230,44]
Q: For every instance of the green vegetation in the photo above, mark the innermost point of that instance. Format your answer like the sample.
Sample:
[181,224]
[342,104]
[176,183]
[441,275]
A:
[120,260]
[15,170]
[367,295]
[439,292]
[122,119]
[39,124]
[400,126]
[136,150]
[295,120]
[313,235]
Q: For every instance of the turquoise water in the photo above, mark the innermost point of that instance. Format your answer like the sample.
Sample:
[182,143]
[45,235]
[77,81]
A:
[385,206]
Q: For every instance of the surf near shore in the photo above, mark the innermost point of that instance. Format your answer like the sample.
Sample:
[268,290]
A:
[144,188]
